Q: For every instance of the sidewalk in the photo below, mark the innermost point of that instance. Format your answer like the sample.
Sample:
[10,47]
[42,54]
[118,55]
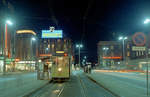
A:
[121,85]
[14,73]
[19,84]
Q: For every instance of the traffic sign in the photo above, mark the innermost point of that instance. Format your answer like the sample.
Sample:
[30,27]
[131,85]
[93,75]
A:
[138,48]
[139,39]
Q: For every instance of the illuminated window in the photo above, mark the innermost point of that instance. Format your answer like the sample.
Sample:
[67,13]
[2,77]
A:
[128,54]
[52,45]
[48,45]
[128,46]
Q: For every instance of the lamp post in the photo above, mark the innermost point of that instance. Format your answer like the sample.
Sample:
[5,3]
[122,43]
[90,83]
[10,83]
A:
[32,53]
[79,46]
[8,22]
[105,49]
[147,21]
[123,46]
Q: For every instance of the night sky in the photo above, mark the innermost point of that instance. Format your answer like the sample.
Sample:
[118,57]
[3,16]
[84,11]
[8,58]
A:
[86,21]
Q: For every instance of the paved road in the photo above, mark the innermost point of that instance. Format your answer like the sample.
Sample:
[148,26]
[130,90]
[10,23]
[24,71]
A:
[78,86]
[17,85]
[123,84]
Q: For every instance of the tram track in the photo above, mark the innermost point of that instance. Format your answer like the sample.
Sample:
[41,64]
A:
[84,83]
[48,90]
[83,87]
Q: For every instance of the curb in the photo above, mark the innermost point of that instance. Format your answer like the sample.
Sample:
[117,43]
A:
[114,94]
[32,92]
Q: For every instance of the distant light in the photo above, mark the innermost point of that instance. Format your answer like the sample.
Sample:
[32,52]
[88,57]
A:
[46,48]
[120,38]
[81,45]
[9,22]
[104,48]
[40,60]
[125,37]
[77,45]
[59,69]
[33,39]
[146,21]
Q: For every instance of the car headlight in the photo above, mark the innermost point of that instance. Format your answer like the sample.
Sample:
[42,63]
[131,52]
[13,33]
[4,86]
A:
[59,69]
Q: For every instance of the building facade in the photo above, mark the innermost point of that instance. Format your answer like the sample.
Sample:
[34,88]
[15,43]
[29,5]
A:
[129,56]
[109,53]
[26,49]
[7,48]
[54,46]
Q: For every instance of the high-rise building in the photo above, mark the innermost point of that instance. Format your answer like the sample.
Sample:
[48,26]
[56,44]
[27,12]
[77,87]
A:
[7,43]
[26,49]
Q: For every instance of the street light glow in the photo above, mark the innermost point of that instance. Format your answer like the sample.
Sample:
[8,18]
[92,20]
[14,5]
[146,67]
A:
[120,38]
[77,45]
[9,22]
[47,48]
[146,21]
[125,37]
[33,39]
[81,45]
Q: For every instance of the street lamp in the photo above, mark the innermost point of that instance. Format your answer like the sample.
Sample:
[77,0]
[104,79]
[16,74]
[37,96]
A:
[79,46]
[105,48]
[147,21]
[123,49]
[33,39]
[8,22]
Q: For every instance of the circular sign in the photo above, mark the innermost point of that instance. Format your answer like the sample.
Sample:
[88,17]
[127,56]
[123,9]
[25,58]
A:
[139,39]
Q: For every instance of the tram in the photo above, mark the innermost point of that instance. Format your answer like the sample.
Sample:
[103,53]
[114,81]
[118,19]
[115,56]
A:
[60,70]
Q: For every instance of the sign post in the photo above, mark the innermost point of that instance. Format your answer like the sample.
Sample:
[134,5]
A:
[139,39]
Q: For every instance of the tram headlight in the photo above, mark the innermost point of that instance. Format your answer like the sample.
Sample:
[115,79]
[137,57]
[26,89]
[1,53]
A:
[59,69]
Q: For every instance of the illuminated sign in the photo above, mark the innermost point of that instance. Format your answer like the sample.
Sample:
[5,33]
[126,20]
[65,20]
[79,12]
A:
[138,48]
[112,57]
[59,52]
[54,34]
[43,55]
[25,31]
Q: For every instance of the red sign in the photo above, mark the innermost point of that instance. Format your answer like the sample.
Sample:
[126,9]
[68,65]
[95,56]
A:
[112,57]
[139,39]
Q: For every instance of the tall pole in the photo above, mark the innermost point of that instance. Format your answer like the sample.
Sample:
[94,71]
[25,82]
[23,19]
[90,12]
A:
[5,48]
[147,69]
[123,52]
[79,55]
